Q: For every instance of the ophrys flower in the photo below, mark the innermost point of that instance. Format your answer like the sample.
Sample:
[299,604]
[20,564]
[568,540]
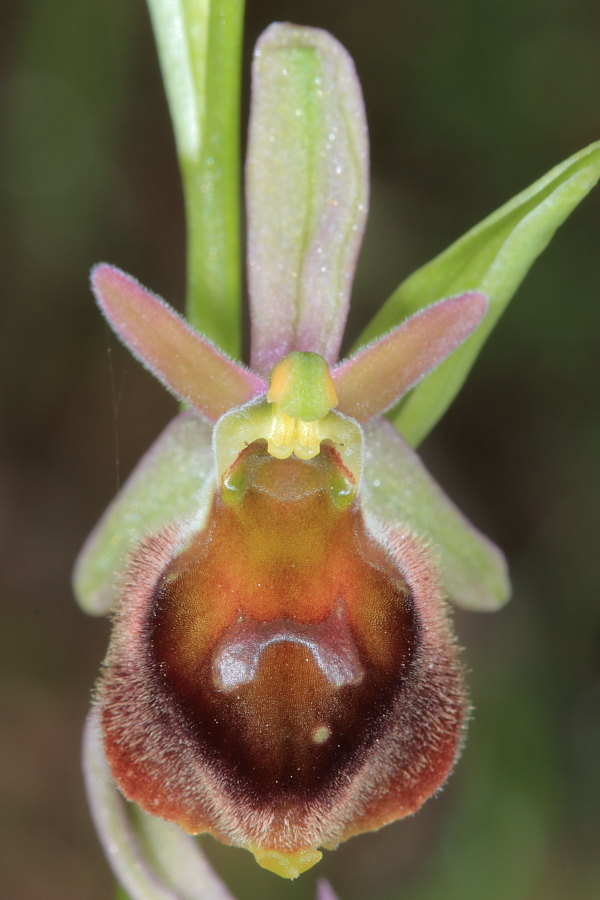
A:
[282,672]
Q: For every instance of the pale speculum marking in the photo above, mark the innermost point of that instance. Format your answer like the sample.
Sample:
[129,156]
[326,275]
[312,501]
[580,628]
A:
[238,653]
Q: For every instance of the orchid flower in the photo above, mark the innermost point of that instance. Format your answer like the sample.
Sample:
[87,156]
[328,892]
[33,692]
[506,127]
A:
[282,671]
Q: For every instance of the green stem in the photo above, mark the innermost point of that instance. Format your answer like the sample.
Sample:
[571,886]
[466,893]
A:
[199,45]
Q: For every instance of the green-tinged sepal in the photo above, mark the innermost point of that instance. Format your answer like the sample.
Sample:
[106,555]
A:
[170,485]
[306,191]
[397,488]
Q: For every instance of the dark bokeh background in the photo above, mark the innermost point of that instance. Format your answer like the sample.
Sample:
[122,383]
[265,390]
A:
[468,102]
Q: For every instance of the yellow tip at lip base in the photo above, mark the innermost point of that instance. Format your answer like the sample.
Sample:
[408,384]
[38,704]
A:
[287,865]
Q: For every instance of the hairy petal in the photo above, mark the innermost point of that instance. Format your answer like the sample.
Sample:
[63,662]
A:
[375,378]
[396,488]
[166,486]
[307,192]
[153,860]
[188,365]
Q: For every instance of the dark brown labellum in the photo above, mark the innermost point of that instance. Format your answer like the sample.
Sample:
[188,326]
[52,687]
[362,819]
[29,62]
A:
[287,678]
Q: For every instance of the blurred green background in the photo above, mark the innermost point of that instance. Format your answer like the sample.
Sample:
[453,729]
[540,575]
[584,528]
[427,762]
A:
[468,102]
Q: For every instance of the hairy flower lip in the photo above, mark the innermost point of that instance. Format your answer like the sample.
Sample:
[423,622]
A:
[207,789]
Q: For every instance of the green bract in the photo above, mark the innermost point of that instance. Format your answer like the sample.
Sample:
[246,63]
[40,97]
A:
[493,257]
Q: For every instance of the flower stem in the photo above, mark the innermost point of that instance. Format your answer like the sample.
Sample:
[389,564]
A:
[199,45]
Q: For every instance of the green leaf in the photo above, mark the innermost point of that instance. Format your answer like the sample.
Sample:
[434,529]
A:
[199,45]
[166,487]
[493,258]
[398,491]
[307,187]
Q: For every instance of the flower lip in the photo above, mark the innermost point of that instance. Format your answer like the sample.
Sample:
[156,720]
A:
[278,701]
